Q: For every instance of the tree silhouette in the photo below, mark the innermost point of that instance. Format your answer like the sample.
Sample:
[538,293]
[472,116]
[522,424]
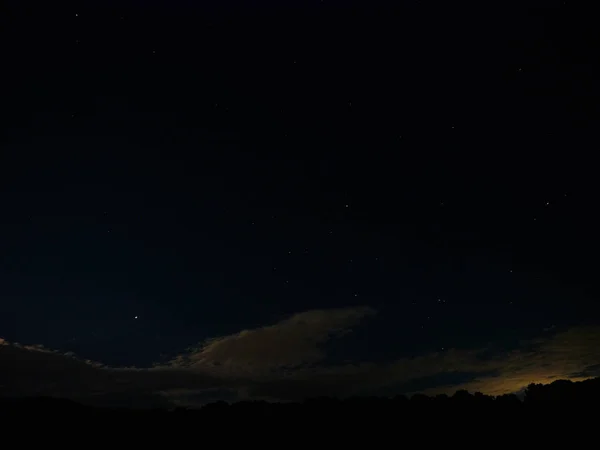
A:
[352,415]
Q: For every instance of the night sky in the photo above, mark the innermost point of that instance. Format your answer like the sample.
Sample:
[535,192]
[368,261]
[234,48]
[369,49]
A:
[235,201]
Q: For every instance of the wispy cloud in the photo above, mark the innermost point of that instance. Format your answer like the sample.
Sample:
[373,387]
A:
[572,354]
[287,361]
[291,343]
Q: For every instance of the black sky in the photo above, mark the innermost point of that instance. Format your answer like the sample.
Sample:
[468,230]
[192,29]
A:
[172,173]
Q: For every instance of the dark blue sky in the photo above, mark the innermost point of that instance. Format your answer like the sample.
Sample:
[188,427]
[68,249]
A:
[169,176]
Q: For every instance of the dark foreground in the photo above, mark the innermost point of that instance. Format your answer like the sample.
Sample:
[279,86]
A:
[544,413]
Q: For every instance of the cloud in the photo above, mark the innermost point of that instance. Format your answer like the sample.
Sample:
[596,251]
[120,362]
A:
[571,354]
[37,371]
[289,344]
[226,363]
[34,370]
[287,361]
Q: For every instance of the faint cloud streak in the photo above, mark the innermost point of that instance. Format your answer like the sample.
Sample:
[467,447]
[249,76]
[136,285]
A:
[287,361]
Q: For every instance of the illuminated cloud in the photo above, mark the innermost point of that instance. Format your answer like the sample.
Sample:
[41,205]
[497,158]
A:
[37,371]
[225,363]
[287,361]
[289,344]
[571,354]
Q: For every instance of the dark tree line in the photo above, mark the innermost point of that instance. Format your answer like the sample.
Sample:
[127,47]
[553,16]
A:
[350,420]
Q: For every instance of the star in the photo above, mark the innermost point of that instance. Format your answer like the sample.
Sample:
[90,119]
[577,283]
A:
[135,317]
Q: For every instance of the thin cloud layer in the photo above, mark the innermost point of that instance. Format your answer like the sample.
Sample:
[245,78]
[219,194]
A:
[286,361]
[572,354]
[232,362]
[291,343]
[37,371]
